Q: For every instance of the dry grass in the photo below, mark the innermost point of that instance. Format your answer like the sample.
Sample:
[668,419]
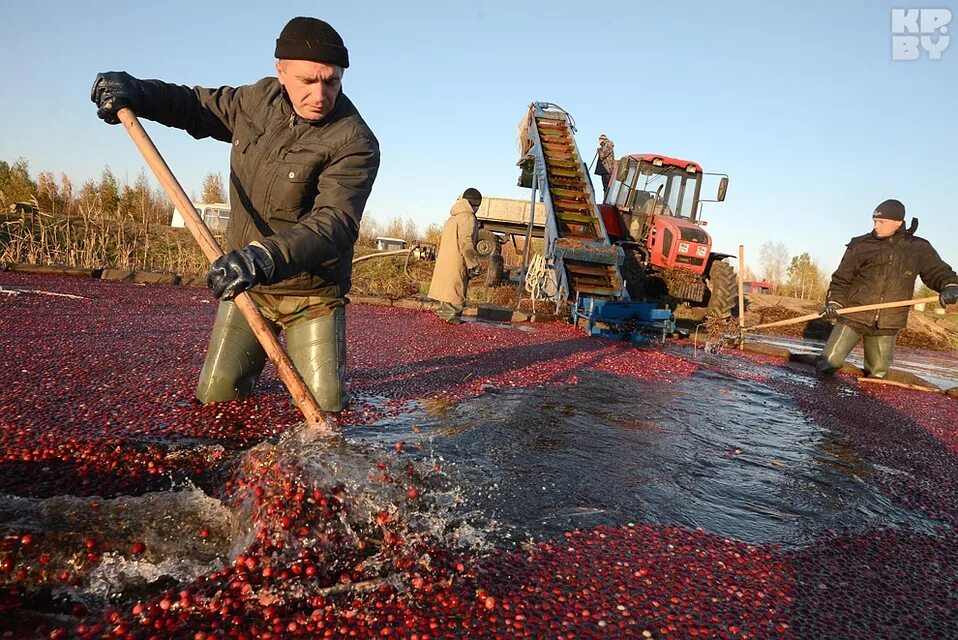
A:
[93,239]
[391,276]
[504,295]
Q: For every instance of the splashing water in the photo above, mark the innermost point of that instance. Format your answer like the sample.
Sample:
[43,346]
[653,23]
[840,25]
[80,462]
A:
[309,512]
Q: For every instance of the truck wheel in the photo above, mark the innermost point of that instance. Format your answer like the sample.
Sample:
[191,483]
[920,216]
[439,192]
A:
[722,289]
[486,244]
[495,270]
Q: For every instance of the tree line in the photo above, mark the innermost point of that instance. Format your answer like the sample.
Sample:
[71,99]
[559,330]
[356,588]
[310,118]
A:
[105,197]
[103,223]
[106,222]
[793,276]
[142,204]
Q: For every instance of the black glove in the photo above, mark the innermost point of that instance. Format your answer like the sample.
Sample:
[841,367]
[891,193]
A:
[948,295]
[830,312]
[475,271]
[113,90]
[239,270]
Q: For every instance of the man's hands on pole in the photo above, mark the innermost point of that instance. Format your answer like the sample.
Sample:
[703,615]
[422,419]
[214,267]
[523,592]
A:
[830,311]
[114,90]
[240,269]
[948,295]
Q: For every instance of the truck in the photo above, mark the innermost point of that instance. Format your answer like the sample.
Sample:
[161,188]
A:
[500,219]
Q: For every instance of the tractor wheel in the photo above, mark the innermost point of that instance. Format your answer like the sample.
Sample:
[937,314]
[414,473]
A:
[722,289]
[633,273]
[487,243]
[640,284]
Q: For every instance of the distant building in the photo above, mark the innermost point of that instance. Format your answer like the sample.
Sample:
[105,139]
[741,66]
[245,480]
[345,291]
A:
[216,215]
[389,244]
[756,286]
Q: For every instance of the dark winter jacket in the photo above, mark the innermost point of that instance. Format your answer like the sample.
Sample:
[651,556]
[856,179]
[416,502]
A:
[296,186]
[875,270]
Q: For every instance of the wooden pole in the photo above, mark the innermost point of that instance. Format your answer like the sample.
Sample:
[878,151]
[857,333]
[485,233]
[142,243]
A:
[315,417]
[741,295]
[905,385]
[841,312]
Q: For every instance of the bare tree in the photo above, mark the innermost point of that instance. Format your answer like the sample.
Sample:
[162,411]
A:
[410,232]
[806,280]
[773,258]
[396,228]
[48,193]
[213,188]
[368,230]
[66,189]
[432,234]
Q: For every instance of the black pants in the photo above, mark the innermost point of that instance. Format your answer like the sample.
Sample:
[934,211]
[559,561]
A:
[605,181]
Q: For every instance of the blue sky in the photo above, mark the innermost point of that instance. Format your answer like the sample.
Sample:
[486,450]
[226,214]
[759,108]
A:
[801,104]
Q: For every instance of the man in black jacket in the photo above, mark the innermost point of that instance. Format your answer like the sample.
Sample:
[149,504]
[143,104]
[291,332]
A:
[302,165]
[878,267]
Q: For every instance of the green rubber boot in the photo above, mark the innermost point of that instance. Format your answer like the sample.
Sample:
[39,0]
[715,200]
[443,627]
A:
[318,349]
[449,312]
[879,352]
[234,360]
[840,343]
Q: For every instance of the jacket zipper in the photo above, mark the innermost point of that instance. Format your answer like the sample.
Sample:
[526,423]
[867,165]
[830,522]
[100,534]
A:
[891,259]
[275,146]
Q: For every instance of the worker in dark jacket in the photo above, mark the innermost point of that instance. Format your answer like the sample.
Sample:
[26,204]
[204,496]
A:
[878,267]
[302,165]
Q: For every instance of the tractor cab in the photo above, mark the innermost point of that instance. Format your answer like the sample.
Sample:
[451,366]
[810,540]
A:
[656,184]
[653,203]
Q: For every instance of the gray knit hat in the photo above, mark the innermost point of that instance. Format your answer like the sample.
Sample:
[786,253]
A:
[890,210]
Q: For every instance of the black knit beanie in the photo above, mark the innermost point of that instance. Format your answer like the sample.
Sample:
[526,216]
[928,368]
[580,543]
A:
[473,196]
[311,39]
[890,210]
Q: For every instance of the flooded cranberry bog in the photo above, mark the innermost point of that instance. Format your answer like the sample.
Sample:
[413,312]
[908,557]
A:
[492,481]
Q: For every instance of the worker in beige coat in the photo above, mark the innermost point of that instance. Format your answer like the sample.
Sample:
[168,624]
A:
[458,259]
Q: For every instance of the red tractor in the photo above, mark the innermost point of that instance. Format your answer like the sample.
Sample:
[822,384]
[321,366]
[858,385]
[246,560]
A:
[652,209]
